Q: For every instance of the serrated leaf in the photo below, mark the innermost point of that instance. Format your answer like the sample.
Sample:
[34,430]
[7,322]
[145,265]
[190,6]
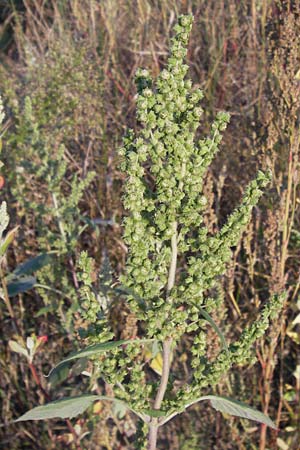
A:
[239,409]
[20,285]
[228,406]
[236,408]
[33,265]
[95,349]
[16,347]
[67,408]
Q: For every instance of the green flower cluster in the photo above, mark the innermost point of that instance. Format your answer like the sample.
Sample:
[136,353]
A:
[116,365]
[165,167]
[93,304]
[172,274]
[209,373]
[164,195]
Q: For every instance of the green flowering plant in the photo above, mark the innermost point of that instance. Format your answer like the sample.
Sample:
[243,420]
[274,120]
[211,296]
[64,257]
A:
[20,279]
[55,209]
[173,264]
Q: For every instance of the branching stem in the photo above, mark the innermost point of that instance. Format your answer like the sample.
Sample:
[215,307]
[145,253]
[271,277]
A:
[167,347]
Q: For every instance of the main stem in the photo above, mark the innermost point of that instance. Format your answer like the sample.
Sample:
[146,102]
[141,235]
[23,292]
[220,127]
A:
[166,353]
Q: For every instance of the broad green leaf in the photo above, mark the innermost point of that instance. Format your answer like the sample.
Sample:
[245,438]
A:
[20,285]
[95,349]
[32,265]
[239,409]
[67,408]
[16,347]
[235,408]
[215,327]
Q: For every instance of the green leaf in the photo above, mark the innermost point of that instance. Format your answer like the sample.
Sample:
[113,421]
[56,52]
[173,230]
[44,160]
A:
[16,347]
[63,409]
[7,240]
[67,408]
[33,265]
[95,349]
[19,285]
[58,375]
[235,408]
[239,409]
[211,321]
[155,413]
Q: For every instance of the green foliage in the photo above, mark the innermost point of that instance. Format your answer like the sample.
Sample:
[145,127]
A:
[33,344]
[173,263]
[65,408]
[56,124]
[17,281]
[46,187]
[232,407]
[97,349]
[94,304]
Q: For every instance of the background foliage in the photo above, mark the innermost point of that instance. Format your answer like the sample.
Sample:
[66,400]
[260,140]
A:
[66,79]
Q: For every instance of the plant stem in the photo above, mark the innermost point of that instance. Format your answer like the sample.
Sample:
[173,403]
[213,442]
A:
[165,373]
[166,353]
[172,271]
[154,425]
[152,436]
